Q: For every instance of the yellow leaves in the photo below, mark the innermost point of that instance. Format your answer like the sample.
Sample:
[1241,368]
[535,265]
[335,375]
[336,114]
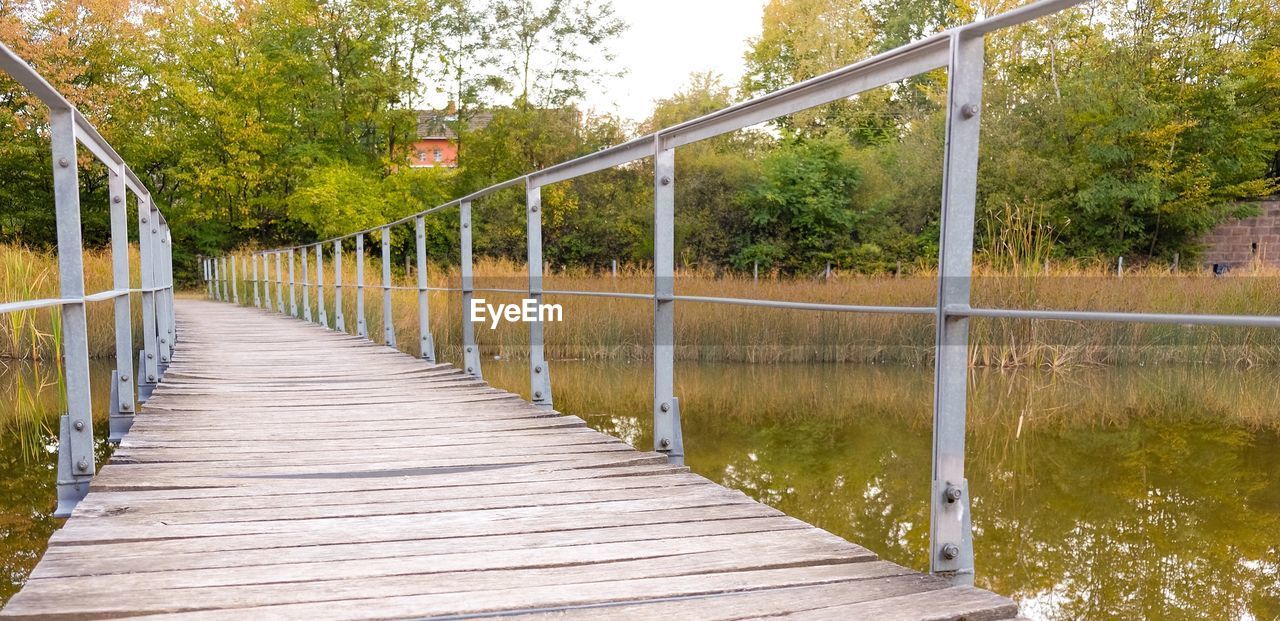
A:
[815,36]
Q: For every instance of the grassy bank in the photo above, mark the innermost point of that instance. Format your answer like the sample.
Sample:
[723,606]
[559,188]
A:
[614,329]
[603,328]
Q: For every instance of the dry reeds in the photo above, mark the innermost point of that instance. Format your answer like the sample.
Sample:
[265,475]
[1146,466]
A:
[604,328]
[35,335]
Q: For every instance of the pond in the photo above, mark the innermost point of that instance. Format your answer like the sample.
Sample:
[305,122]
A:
[1097,493]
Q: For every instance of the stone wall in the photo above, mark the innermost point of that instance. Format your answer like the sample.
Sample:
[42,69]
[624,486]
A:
[1237,242]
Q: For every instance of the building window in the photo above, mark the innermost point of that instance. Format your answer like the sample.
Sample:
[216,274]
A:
[422,156]
[438,155]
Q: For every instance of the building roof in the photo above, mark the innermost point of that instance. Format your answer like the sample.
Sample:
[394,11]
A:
[440,123]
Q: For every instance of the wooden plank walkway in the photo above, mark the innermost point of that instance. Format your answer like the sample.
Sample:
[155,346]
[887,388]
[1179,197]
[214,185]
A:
[286,471]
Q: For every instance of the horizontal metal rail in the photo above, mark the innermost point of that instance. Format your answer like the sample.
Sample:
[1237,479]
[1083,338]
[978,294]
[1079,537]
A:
[69,130]
[27,305]
[102,296]
[1243,321]
[813,306]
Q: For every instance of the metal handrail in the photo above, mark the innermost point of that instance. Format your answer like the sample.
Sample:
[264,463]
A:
[959,50]
[67,129]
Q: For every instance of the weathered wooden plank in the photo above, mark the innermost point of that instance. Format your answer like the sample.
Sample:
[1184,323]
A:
[126,558]
[459,593]
[777,548]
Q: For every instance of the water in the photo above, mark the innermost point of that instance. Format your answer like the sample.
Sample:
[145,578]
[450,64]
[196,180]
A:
[1097,494]
[30,402]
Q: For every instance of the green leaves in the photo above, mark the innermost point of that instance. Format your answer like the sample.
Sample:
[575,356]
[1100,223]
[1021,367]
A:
[801,210]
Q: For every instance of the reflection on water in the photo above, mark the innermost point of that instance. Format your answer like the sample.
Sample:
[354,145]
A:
[29,409]
[1097,494]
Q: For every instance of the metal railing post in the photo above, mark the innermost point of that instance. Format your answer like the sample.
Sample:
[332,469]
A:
[667,434]
[149,357]
[264,279]
[293,287]
[950,532]
[362,328]
[388,319]
[214,264]
[75,446]
[539,373]
[470,351]
[257,296]
[121,409]
[306,283]
[246,275]
[280,282]
[324,314]
[235,281]
[339,321]
[266,282]
[165,301]
[427,344]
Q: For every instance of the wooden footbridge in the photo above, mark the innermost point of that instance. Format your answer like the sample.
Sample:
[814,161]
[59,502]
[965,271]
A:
[286,468]
[282,470]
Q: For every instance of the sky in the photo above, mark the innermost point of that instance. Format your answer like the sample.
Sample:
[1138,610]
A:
[667,41]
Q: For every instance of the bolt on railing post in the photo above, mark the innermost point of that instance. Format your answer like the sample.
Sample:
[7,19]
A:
[121,409]
[425,342]
[339,321]
[324,314]
[667,435]
[293,287]
[950,532]
[279,282]
[75,446]
[306,283]
[470,351]
[362,328]
[149,356]
[388,319]
[257,295]
[539,372]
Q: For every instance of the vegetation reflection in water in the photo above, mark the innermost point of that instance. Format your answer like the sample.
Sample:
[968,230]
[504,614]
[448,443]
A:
[1097,494]
[31,402]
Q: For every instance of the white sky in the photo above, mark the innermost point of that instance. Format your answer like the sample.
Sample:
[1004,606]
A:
[667,41]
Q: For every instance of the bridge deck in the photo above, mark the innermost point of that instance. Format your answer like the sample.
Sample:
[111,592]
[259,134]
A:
[289,471]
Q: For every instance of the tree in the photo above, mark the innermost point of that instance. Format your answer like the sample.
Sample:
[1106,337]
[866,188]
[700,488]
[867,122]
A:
[801,210]
[710,219]
[554,48]
[1138,129]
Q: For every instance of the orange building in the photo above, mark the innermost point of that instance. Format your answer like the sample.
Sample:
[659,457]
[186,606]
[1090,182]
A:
[437,143]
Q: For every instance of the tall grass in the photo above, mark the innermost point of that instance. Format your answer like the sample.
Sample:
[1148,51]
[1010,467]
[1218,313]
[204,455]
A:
[35,335]
[603,328]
